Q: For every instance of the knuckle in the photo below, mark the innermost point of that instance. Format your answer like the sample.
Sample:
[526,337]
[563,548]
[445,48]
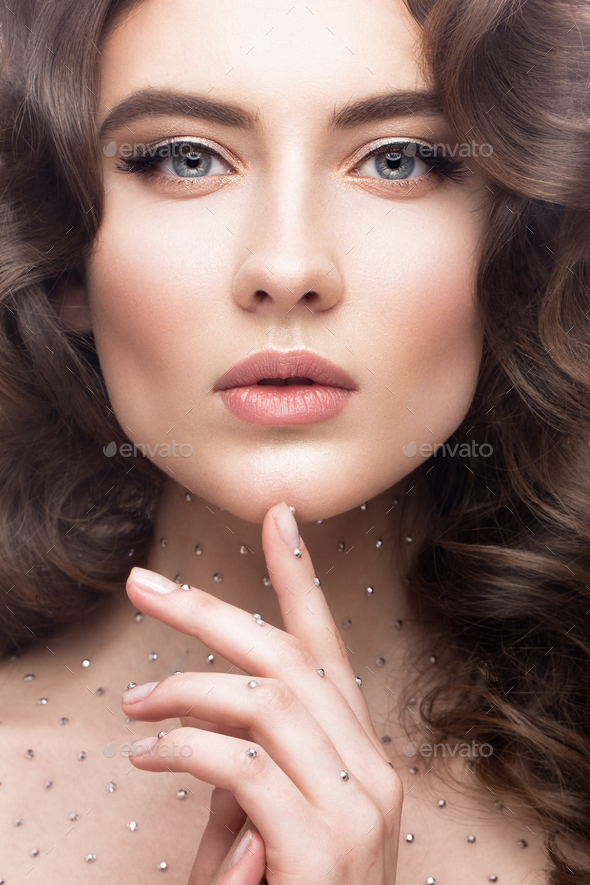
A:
[396,787]
[292,652]
[200,607]
[275,697]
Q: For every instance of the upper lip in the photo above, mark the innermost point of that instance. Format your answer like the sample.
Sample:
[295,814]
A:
[285,364]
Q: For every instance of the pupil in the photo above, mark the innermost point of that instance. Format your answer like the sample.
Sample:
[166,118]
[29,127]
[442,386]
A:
[193,160]
[393,160]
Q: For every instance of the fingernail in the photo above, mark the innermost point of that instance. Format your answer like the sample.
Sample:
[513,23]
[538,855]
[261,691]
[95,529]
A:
[139,748]
[241,849]
[132,695]
[151,582]
[287,526]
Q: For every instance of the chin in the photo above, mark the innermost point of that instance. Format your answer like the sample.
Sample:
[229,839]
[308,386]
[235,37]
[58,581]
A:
[318,487]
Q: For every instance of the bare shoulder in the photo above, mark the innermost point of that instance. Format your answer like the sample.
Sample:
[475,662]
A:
[464,836]
[72,812]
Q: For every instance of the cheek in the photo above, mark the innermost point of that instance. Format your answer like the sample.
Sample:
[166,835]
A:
[154,304]
[424,321]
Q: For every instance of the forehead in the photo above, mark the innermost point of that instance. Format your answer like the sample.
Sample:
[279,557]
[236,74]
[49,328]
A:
[272,58]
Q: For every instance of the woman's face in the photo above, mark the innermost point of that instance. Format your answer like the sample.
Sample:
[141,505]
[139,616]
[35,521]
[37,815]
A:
[288,237]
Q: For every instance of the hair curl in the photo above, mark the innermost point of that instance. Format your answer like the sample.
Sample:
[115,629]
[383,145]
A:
[501,575]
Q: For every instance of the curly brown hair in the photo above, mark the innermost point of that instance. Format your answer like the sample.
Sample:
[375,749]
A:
[501,573]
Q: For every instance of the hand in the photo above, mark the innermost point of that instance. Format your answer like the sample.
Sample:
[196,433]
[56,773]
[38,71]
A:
[298,751]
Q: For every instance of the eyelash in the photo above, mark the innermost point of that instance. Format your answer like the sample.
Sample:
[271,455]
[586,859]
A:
[441,166]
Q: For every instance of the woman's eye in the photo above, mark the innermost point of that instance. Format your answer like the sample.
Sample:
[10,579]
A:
[394,162]
[178,159]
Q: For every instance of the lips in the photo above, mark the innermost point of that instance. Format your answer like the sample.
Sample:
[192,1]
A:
[273,367]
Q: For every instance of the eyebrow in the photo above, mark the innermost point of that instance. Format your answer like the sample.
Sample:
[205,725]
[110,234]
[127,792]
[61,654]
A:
[151,102]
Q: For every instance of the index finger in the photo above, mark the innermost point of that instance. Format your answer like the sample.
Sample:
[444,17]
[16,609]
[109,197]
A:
[304,609]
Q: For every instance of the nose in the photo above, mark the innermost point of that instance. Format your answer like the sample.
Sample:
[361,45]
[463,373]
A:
[290,266]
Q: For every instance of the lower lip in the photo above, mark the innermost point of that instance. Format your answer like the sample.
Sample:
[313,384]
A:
[290,404]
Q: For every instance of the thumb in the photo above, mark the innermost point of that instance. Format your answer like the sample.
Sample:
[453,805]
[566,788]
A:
[248,863]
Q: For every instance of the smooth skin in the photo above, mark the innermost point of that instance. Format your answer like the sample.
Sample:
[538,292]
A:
[305,729]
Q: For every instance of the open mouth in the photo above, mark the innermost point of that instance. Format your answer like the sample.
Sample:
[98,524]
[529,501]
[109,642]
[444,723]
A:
[284,382]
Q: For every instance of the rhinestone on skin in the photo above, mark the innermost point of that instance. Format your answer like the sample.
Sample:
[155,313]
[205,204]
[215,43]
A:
[344,775]
[244,549]
[217,578]
[28,677]
[441,803]
[369,591]
[252,684]
[132,826]
[163,542]
[63,720]
[522,843]
[85,662]
[210,659]
[162,865]
[347,623]
[410,837]
[153,656]
[471,839]
[181,794]
[297,553]
[251,752]
[198,550]
[90,858]
[359,681]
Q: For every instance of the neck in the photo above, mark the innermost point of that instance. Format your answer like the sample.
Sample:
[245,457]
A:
[198,543]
